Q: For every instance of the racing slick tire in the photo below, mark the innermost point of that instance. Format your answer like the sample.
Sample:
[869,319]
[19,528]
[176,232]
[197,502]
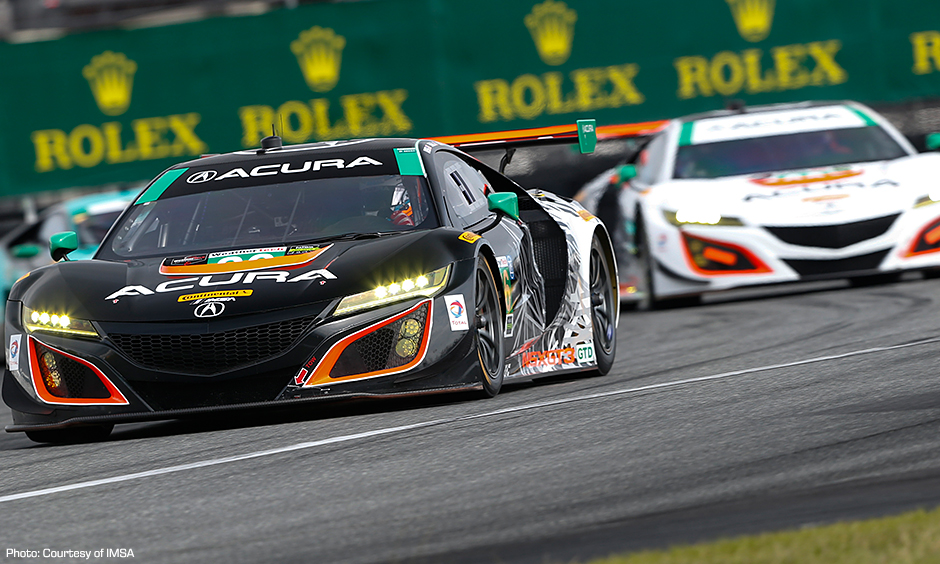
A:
[488,327]
[650,301]
[71,435]
[603,308]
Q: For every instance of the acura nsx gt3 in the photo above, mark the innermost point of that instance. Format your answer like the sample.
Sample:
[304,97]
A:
[290,274]
[771,194]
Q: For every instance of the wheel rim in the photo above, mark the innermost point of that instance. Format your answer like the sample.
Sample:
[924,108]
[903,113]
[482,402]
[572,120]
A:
[601,302]
[487,309]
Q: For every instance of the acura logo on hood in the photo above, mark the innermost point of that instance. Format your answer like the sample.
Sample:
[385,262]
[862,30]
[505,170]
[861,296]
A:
[202,176]
[209,309]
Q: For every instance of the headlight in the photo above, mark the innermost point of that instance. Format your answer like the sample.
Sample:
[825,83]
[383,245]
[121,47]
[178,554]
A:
[699,216]
[931,198]
[422,285]
[57,323]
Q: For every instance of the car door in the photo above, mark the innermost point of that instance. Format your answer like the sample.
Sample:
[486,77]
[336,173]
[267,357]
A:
[466,183]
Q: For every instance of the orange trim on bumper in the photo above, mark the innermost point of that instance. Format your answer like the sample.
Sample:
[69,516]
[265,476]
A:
[117,398]
[717,251]
[321,374]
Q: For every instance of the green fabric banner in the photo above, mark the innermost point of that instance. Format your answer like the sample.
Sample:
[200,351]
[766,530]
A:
[122,105]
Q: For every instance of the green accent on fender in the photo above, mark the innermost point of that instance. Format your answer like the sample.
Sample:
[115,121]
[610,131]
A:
[863,115]
[160,185]
[505,202]
[932,141]
[685,136]
[409,162]
[26,250]
[61,244]
[627,172]
[587,135]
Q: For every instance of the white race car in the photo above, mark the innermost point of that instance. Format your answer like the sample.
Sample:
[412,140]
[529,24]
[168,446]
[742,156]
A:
[773,194]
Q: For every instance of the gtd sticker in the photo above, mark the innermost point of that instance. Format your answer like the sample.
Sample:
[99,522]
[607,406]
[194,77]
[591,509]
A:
[457,312]
[585,353]
[14,360]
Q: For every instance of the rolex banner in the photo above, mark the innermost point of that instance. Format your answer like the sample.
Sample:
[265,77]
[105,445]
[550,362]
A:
[122,105]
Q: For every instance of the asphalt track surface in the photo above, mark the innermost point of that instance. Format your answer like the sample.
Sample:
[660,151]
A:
[798,406]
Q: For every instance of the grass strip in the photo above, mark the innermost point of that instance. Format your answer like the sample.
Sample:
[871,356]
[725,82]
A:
[909,538]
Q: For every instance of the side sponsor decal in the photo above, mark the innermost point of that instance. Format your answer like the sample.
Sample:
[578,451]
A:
[242,260]
[14,360]
[457,312]
[510,318]
[579,354]
[469,237]
[585,215]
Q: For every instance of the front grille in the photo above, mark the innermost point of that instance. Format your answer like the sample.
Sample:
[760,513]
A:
[834,236]
[210,353]
[74,378]
[831,268]
[185,395]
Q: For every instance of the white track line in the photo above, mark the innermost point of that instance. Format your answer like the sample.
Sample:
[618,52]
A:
[402,428]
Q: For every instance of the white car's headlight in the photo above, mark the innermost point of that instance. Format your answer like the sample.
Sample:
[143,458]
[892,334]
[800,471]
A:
[57,323]
[699,216]
[931,198]
[422,285]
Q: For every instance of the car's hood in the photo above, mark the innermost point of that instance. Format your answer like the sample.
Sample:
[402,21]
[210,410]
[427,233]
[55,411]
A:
[821,195]
[158,289]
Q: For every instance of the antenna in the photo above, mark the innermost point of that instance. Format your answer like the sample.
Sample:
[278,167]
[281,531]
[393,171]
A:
[272,141]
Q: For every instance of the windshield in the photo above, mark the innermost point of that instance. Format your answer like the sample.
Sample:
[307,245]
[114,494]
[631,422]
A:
[274,214]
[786,152]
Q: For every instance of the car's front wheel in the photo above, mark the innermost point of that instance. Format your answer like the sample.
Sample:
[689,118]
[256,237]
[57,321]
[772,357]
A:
[603,308]
[488,327]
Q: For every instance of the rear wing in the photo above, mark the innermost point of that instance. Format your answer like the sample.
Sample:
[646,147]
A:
[584,132]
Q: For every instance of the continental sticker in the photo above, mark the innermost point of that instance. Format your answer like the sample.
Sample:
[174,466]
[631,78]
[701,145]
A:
[216,294]
[585,215]
[242,260]
[469,237]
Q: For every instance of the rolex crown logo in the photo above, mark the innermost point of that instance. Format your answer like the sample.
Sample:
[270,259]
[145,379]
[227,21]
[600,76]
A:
[319,52]
[111,77]
[753,18]
[551,24]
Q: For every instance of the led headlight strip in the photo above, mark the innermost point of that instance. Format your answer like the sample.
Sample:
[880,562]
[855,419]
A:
[422,285]
[693,216]
[57,324]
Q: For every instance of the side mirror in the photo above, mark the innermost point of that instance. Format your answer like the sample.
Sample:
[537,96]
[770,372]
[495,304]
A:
[27,250]
[932,141]
[505,202]
[627,172]
[61,244]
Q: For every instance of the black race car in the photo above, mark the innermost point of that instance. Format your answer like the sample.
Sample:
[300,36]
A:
[293,274]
